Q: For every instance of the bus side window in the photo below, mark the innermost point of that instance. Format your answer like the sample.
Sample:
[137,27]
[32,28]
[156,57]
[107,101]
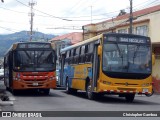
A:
[72,56]
[86,53]
[68,57]
[89,52]
[77,51]
[82,54]
[91,49]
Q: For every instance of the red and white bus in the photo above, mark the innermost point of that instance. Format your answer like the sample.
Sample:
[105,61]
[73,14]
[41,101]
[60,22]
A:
[30,65]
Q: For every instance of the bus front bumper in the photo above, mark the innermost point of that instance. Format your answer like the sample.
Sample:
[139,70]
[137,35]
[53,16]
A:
[34,84]
[124,89]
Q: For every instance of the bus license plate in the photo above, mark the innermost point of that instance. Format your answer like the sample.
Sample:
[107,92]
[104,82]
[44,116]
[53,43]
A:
[145,90]
[35,84]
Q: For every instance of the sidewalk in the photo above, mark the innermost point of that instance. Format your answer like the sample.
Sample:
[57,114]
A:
[2,90]
[3,93]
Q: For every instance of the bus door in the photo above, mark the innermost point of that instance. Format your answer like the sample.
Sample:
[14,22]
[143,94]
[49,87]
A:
[10,69]
[95,66]
[62,80]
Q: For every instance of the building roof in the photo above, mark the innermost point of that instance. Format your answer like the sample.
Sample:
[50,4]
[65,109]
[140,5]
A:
[75,37]
[135,14]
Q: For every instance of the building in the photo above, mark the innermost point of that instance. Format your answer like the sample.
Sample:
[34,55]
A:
[66,40]
[145,22]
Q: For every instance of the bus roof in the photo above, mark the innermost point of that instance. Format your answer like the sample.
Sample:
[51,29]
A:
[98,37]
[14,45]
[82,43]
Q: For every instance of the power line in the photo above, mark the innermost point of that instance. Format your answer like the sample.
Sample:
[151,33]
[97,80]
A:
[89,16]
[148,3]
[8,29]
[44,12]
[48,15]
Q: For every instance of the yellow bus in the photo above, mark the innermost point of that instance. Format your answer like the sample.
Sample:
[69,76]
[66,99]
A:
[30,65]
[110,63]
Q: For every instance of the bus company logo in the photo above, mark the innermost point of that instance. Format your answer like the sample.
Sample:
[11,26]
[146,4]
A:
[126,84]
[6,114]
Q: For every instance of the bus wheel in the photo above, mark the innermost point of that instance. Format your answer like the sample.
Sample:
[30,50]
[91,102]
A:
[14,92]
[149,95]
[46,91]
[129,97]
[7,88]
[68,89]
[89,93]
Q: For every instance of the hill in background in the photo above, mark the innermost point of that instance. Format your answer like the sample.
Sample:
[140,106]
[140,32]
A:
[7,40]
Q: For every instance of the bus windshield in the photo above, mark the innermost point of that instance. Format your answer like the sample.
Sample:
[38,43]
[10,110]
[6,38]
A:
[128,58]
[40,60]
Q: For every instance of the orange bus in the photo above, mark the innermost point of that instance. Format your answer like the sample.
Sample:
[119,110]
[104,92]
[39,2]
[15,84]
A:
[30,65]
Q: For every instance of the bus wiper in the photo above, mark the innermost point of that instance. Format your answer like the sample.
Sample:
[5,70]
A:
[121,56]
[27,54]
[135,53]
[120,53]
[41,54]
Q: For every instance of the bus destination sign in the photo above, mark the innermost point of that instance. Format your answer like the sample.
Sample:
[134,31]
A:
[132,40]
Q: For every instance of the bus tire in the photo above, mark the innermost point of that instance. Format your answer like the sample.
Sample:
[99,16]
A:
[46,91]
[14,92]
[129,97]
[7,88]
[149,95]
[89,93]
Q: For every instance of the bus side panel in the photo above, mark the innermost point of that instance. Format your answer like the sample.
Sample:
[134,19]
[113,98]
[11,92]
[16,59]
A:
[10,69]
[68,74]
[8,81]
[6,72]
[81,73]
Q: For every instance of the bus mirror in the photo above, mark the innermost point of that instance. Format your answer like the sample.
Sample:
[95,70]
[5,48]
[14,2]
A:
[99,50]
[153,58]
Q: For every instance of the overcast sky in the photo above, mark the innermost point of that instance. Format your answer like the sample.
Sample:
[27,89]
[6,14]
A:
[51,15]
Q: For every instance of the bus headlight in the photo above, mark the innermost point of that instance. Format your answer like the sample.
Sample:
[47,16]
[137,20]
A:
[52,78]
[15,78]
[106,82]
[145,84]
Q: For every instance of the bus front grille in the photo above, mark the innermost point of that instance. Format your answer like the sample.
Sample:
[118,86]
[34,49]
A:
[126,84]
[127,89]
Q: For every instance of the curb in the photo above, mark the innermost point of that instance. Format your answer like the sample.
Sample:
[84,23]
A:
[6,103]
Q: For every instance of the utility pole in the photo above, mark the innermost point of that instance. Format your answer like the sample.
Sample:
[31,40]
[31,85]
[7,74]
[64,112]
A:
[91,14]
[31,4]
[131,17]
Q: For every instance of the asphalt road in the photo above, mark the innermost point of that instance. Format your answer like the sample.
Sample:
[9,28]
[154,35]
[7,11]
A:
[59,100]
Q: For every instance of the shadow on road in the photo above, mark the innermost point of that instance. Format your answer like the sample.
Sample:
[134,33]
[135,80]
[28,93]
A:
[115,99]
[34,93]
